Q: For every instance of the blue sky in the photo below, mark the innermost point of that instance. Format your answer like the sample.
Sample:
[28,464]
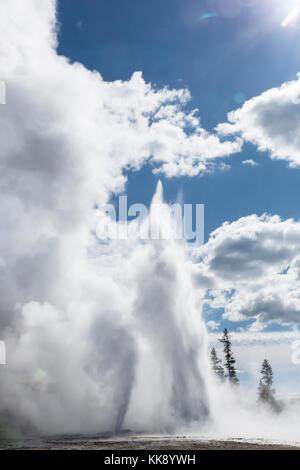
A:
[224,57]
[215,60]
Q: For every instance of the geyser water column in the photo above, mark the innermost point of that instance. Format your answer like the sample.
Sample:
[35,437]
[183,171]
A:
[170,389]
[124,350]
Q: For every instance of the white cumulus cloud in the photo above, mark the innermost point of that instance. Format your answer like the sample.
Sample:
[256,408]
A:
[249,162]
[271,121]
[251,269]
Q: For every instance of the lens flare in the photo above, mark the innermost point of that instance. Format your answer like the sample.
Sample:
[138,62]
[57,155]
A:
[240,98]
[290,17]
[206,16]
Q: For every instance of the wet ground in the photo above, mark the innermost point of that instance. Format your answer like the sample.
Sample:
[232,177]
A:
[99,442]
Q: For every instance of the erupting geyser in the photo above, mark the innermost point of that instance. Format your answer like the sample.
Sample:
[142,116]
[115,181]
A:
[125,349]
[172,332]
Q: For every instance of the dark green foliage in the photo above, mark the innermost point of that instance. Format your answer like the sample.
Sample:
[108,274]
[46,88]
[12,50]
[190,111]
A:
[266,394]
[231,373]
[216,364]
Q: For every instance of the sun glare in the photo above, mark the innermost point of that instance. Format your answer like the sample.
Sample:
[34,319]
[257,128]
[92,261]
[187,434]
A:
[290,17]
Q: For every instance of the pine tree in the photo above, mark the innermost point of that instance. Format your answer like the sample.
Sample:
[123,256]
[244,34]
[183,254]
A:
[216,364]
[229,359]
[266,394]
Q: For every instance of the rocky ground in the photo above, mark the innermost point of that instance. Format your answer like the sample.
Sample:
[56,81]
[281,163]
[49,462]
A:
[139,443]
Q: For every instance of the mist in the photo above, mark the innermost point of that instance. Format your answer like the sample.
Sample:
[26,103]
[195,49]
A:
[131,354]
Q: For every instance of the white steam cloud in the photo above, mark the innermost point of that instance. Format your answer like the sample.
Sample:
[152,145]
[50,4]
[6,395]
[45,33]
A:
[131,342]
[80,318]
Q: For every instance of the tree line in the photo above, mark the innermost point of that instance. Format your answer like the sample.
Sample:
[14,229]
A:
[226,370]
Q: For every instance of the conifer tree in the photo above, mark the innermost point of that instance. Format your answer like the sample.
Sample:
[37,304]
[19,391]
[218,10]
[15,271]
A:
[216,364]
[231,372]
[266,394]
